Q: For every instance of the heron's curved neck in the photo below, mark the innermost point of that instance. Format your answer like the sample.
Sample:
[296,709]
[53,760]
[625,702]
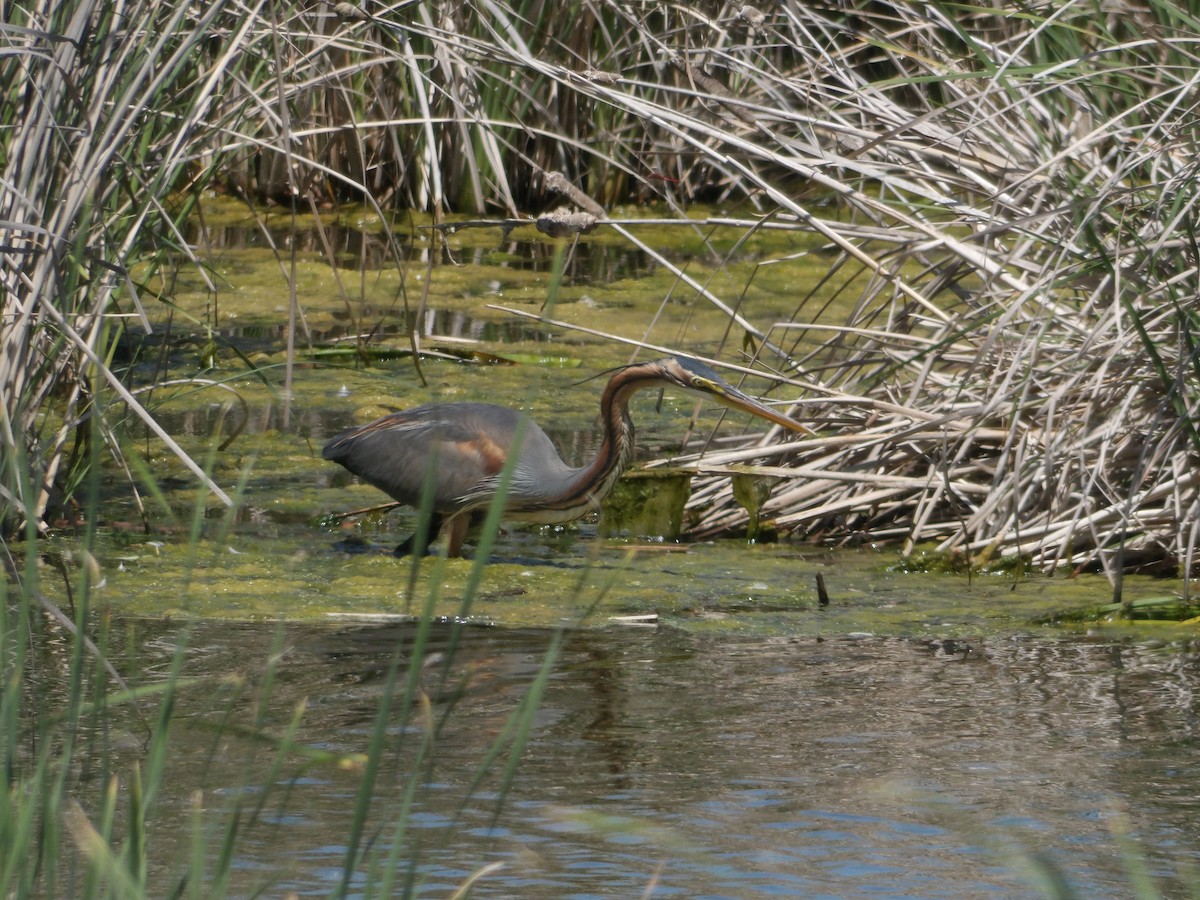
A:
[582,489]
[597,478]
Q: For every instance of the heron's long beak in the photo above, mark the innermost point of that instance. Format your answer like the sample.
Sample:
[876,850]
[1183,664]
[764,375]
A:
[735,399]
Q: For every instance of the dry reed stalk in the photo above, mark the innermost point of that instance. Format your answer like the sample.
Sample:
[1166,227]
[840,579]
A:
[74,198]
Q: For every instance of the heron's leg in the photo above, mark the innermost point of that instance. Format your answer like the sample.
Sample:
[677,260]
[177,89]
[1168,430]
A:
[410,545]
[457,532]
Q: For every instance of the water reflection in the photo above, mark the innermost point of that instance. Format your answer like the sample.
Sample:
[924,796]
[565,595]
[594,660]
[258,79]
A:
[388,328]
[439,323]
[359,247]
[836,768]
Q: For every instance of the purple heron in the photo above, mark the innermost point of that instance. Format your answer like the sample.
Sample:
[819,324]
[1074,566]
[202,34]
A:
[464,447]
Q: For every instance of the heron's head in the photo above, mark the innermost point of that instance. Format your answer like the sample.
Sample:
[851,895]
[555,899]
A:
[695,376]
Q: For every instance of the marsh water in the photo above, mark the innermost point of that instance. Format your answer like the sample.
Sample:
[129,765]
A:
[667,763]
[707,729]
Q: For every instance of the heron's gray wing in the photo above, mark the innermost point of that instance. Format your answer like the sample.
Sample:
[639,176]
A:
[462,447]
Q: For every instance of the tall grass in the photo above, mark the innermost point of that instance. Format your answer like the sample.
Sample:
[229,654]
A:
[97,104]
[88,756]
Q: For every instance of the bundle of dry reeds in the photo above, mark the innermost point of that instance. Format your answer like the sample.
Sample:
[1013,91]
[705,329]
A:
[1021,372]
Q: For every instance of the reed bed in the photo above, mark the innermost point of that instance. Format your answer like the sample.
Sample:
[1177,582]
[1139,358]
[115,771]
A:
[1018,377]
[1008,200]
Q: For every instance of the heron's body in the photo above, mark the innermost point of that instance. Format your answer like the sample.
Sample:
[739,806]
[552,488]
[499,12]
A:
[464,447]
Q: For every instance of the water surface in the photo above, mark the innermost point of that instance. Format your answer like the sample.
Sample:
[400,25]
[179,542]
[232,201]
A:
[669,764]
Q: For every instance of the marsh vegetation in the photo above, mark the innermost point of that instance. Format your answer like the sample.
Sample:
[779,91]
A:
[997,345]
[1003,202]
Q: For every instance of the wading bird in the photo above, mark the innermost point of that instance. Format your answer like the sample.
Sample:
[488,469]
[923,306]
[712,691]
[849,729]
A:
[463,448]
